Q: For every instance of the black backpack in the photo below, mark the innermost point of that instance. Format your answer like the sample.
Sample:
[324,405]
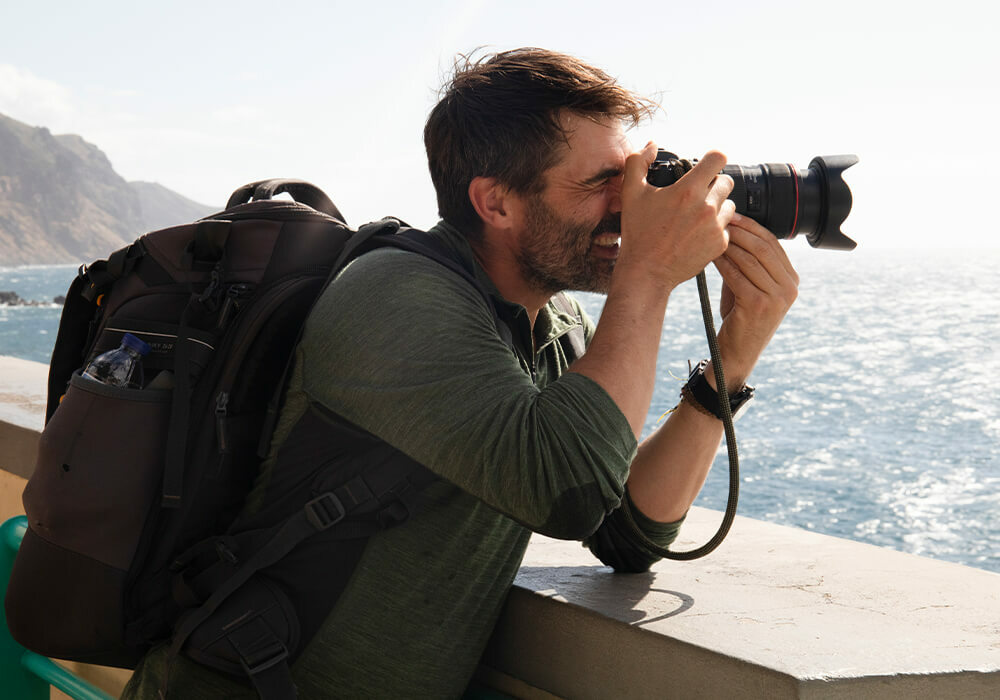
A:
[132,503]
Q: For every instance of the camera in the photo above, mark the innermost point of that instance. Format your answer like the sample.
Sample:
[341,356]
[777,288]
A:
[786,200]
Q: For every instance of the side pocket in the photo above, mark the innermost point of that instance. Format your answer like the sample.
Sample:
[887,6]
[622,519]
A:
[100,462]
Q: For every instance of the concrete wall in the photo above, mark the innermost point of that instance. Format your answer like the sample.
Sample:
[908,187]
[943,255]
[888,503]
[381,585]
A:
[775,612]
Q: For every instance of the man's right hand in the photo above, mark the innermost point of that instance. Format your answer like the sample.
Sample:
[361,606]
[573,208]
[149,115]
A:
[672,233]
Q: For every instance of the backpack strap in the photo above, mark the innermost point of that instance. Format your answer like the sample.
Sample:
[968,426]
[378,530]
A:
[357,508]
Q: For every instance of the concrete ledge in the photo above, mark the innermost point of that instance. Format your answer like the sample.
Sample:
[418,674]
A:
[23,387]
[775,612]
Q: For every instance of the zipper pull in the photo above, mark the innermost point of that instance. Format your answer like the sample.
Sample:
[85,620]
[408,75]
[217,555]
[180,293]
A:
[221,412]
[212,289]
[235,294]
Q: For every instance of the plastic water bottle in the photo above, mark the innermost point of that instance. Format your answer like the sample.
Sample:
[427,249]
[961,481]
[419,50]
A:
[121,367]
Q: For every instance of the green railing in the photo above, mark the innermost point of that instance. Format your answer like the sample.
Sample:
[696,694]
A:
[25,675]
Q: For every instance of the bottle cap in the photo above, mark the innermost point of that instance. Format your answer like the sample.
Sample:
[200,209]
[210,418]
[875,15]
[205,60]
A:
[137,344]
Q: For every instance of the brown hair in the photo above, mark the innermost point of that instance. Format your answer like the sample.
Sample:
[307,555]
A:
[499,116]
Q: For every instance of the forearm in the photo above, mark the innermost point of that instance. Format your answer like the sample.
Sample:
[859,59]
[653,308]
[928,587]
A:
[671,464]
[621,358]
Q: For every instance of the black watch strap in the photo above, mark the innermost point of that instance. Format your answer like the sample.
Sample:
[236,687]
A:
[700,394]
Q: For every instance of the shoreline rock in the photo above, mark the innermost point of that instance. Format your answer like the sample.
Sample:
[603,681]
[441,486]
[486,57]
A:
[14,299]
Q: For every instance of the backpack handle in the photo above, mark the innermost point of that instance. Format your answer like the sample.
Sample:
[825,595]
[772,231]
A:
[301,191]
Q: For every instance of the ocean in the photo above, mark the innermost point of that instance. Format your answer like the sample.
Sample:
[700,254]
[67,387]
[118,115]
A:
[876,417]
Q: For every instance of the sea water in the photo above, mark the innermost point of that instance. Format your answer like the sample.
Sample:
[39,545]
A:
[29,332]
[876,416]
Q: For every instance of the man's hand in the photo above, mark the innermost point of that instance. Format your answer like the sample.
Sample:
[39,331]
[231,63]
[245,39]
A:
[668,235]
[672,233]
[759,286]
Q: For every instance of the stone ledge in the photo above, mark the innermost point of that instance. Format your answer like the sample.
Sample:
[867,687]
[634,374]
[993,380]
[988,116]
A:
[775,612]
[22,412]
[23,390]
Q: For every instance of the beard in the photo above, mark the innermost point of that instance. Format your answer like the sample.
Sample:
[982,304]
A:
[557,253]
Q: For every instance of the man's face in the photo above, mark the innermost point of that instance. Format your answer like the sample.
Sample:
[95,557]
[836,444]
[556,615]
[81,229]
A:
[572,228]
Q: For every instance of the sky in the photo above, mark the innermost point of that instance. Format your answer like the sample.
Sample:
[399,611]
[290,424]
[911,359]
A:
[203,97]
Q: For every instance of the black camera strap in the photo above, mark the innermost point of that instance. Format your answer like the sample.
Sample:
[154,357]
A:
[734,461]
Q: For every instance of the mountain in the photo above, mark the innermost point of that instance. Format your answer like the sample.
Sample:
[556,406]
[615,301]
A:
[62,202]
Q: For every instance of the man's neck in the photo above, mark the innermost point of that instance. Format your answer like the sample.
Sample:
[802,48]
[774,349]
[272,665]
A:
[504,270]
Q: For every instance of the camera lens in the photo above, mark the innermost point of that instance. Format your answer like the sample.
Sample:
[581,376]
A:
[785,200]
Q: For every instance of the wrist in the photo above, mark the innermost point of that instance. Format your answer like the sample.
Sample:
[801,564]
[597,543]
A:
[645,270]
[704,398]
[733,375]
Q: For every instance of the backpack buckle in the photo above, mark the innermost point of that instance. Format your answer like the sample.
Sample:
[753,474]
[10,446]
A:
[325,511]
[262,656]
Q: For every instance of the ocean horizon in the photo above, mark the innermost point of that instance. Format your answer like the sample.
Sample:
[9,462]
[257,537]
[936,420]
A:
[875,418]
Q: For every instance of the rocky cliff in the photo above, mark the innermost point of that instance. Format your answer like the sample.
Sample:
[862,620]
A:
[62,202]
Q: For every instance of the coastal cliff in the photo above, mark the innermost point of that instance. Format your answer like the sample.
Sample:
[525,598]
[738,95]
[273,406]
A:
[62,202]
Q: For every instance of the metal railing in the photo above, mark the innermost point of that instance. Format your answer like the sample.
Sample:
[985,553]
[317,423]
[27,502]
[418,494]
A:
[25,675]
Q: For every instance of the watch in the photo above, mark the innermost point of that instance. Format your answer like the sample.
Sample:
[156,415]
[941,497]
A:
[700,394]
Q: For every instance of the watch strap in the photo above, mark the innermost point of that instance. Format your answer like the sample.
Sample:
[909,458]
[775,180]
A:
[700,394]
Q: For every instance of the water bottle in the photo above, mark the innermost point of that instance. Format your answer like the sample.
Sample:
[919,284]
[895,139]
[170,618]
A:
[121,367]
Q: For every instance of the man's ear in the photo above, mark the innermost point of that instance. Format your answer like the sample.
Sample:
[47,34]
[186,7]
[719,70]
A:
[496,205]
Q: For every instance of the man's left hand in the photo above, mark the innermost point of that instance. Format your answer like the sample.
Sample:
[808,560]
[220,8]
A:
[759,286]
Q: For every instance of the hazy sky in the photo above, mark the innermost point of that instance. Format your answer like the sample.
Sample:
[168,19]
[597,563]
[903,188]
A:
[205,96]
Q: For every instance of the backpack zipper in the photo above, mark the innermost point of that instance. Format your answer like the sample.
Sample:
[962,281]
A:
[221,410]
[271,299]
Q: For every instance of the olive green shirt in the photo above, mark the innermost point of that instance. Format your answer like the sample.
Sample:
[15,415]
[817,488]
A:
[408,351]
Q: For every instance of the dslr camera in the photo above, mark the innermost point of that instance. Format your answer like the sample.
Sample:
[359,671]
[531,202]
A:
[785,200]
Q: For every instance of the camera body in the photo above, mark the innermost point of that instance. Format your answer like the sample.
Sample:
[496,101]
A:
[785,200]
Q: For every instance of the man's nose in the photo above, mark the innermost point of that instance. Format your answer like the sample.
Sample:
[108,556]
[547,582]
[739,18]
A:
[615,201]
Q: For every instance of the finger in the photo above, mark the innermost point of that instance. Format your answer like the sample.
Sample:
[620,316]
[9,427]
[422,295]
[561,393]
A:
[718,195]
[759,262]
[768,239]
[637,165]
[705,170]
[740,266]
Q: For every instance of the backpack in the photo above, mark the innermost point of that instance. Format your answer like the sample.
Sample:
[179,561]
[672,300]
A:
[132,504]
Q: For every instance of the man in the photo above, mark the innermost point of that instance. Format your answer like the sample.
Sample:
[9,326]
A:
[538,192]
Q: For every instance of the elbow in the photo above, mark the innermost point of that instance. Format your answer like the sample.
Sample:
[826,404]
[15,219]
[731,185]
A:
[574,515]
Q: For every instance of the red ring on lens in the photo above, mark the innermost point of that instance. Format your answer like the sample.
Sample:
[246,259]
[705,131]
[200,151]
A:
[795,179]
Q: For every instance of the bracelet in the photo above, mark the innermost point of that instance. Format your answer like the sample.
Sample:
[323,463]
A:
[700,394]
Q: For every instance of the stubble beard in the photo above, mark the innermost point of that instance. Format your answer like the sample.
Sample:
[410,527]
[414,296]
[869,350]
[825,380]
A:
[556,254]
